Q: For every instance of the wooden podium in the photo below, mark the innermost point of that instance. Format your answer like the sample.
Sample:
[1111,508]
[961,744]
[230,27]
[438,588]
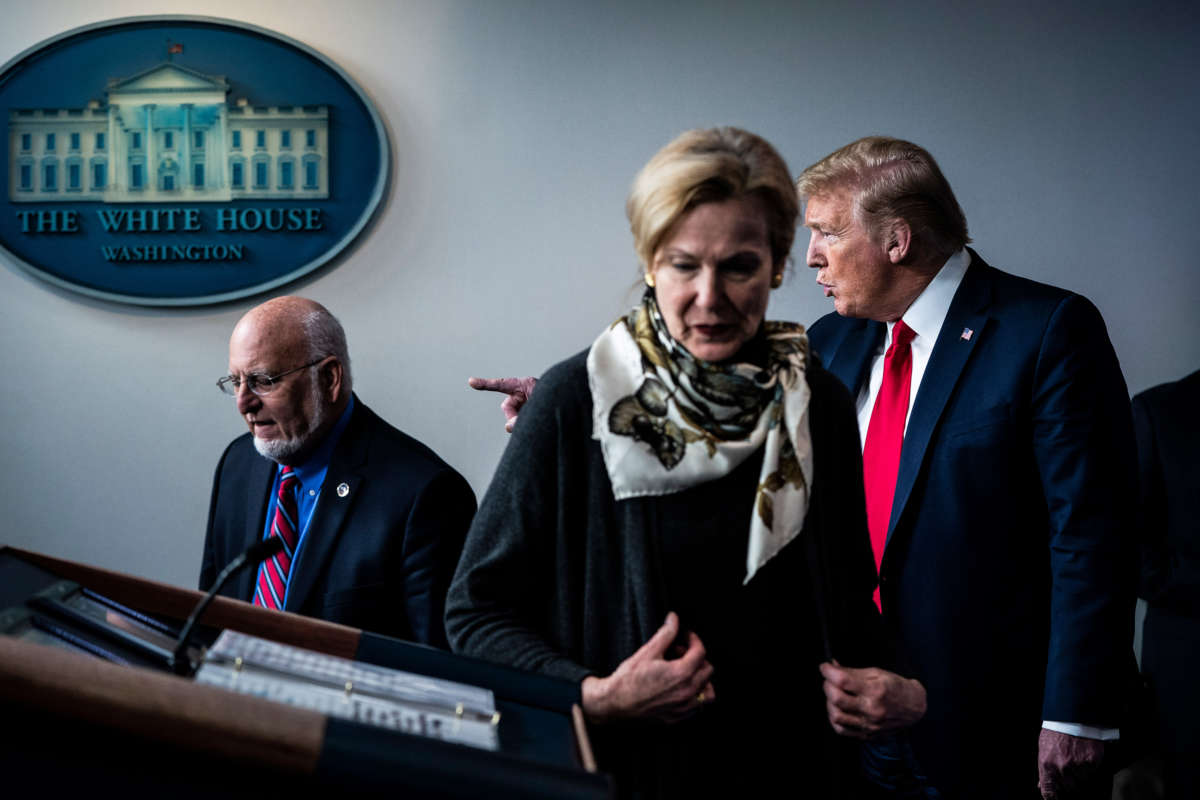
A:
[73,722]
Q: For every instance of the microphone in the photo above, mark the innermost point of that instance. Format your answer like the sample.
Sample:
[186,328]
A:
[253,556]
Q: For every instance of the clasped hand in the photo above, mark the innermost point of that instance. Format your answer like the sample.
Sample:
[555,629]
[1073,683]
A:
[865,702]
[650,685]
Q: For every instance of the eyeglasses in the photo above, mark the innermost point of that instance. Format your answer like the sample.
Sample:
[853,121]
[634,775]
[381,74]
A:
[260,384]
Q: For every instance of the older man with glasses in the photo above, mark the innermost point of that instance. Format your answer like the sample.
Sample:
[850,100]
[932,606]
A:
[372,520]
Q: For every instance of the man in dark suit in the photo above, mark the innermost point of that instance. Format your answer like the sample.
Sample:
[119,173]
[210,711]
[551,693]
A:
[998,461]
[372,520]
[1168,439]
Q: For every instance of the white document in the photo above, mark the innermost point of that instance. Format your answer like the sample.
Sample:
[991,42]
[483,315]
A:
[340,687]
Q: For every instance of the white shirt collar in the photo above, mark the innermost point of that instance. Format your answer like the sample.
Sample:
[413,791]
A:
[925,316]
[929,310]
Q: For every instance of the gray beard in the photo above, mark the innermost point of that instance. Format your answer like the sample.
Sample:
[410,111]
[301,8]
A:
[282,450]
[279,450]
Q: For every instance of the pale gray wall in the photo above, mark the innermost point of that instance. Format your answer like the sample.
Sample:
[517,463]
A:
[1070,134]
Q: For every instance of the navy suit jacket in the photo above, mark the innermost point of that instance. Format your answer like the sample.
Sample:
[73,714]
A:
[378,558]
[1006,581]
[1168,441]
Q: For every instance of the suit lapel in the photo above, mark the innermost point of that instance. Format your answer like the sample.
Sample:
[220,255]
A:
[950,354]
[259,481]
[851,360]
[343,480]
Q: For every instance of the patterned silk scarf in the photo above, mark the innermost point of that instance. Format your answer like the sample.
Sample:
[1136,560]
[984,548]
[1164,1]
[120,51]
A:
[667,421]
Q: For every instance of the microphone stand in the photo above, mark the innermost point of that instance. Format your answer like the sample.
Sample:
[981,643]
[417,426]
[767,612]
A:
[254,555]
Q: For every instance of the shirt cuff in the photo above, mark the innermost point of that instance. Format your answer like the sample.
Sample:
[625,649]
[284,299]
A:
[1086,731]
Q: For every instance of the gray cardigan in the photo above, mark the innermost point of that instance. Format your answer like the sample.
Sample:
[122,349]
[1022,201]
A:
[559,578]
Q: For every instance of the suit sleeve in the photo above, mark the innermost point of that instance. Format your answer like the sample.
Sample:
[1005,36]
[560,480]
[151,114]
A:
[1168,578]
[1083,444]
[209,568]
[1152,508]
[433,539]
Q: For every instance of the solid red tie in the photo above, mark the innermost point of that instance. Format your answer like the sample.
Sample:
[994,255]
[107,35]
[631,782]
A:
[273,574]
[885,435]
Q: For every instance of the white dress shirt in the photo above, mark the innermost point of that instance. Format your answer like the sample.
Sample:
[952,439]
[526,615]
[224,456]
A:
[925,317]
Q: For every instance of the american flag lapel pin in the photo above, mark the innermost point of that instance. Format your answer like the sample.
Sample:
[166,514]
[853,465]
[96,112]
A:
[967,334]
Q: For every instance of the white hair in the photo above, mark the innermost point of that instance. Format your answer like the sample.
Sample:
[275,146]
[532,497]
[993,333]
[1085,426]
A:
[326,337]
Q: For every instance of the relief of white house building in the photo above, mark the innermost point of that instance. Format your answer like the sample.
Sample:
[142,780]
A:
[167,135]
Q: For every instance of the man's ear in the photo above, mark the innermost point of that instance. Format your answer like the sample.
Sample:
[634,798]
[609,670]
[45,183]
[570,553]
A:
[899,242]
[331,376]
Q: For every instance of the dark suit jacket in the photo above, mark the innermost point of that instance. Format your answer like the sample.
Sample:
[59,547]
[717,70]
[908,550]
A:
[1168,442]
[1006,579]
[381,557]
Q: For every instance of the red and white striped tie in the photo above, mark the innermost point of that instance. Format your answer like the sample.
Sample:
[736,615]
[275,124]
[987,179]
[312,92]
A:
[273,574]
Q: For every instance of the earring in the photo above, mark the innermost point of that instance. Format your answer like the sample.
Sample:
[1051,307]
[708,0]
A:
[776,280]
[649,277]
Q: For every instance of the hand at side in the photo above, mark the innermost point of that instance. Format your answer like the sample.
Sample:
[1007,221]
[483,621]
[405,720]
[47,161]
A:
[1068,765]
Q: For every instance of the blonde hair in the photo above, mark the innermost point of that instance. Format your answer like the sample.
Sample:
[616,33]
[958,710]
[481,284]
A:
[704,166]
[892,180]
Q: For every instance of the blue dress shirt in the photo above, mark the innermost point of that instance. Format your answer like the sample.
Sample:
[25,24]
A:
[311,477]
